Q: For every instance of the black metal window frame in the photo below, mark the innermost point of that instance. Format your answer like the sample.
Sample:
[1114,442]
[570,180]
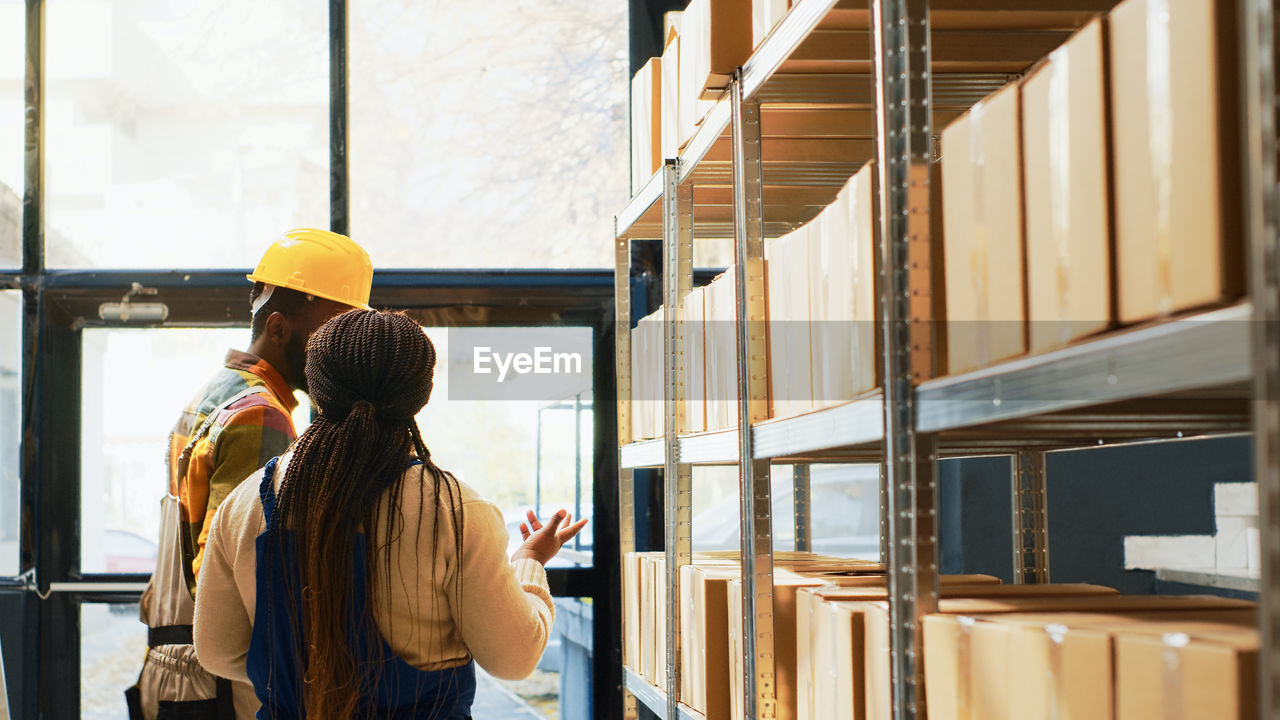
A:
[59,304]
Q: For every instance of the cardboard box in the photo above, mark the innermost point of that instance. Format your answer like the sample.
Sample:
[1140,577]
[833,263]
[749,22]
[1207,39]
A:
[692,107]
[706,612]
[787,291]
[658,581]
[632,599]
[1175,124]
[1065,151]
[1036,664]
[695,414]
[764,15]
[704,639]
[646,123]
[719,34]
[876,628]
[722,356]
[828,669]
[842,296]
[983,240]
[1195,673]
[669,107]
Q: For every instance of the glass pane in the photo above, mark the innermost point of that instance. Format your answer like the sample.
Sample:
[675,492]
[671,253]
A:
[112,645]
[514,440]
[10,428]
[488,134]
[183,134]
[844,509]
[560,687]
[124,433]
[12,79]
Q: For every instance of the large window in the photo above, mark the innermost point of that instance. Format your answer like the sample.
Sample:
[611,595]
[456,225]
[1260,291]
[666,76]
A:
[488,134]
[135,384]
[10,427]
[12,64]
[523,441]
[182,134]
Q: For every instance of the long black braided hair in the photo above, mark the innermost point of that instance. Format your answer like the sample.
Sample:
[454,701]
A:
[369,373]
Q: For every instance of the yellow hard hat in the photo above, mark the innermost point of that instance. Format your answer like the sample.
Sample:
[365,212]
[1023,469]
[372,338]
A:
[319,263]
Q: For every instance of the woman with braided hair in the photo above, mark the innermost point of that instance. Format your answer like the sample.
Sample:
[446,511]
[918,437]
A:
[352,577]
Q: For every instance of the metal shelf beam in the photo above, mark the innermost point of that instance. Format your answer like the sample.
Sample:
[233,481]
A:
[1203,351]
[654,698]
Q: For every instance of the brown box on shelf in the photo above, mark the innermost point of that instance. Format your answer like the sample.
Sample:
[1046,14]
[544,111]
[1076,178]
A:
[704,640]
[828,670]
[876,624]
[646,123]
[695,414]
[1193,672]
[722,358]
[790,360]
[632,599]
[1175,129]
[787,582]
[1065,156]
[1063,653]
[764,15]
[718,34]
[669,135]
[658,581]
[842,295]
[983,237]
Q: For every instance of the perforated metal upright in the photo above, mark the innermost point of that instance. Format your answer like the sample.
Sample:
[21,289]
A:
[753,384]
[1030,518]
[622,369]
[900,36]
[677,281]
[1257,24]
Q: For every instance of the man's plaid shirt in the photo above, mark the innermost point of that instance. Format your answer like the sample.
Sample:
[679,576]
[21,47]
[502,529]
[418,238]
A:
[242,438]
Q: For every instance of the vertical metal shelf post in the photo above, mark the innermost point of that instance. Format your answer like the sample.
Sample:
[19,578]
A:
[677,281]
[1257,18]
[622,369]
[754,482]
[800,493]
[1030,518]
[900,33]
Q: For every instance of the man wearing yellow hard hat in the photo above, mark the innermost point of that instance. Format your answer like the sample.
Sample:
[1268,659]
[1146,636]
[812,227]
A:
[240,420]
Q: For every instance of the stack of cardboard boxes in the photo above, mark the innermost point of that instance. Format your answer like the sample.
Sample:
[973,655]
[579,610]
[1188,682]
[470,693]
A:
[672,94]
[992,651]
[1101,190]
[820,282]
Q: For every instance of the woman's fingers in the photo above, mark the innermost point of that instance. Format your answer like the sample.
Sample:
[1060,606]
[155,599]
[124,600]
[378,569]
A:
[524,532]
[533,522]
[570,531]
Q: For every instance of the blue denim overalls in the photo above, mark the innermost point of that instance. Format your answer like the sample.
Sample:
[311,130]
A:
[402,691]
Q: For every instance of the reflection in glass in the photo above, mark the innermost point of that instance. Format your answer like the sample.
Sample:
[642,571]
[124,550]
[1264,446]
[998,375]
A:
[135,384]
[112,644]
[10,428]
[12,74]
[182,134]
[488,134]
[519,454]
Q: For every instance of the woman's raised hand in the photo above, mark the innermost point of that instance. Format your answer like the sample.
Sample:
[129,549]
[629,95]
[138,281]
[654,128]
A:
[542,542]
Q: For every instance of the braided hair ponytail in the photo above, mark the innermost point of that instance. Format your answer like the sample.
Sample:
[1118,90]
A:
[369,373]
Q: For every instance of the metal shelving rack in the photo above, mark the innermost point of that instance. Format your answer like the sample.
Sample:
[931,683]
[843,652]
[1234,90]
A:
[1211,373]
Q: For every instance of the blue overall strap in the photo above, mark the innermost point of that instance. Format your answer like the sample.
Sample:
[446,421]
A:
[267,491]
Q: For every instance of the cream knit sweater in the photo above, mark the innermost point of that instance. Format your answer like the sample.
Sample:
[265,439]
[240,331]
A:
[502,618]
